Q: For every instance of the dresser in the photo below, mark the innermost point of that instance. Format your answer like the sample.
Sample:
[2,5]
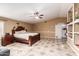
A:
[7,39]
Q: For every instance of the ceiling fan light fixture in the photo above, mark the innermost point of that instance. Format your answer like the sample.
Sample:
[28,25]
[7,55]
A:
[36,17]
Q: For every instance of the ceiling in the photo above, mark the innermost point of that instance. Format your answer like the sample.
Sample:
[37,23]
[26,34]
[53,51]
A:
[24,11]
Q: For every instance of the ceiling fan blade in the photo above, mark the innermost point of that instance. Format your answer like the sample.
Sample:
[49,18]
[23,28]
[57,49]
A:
[41,15]
[36,13]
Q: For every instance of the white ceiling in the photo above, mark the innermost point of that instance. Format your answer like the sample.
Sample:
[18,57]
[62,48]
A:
[24,11]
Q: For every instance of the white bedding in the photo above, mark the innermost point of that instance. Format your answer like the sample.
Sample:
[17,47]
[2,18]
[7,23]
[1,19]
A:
[24,35]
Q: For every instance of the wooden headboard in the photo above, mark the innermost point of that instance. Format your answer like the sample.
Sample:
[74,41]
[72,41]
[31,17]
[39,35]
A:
[19,28]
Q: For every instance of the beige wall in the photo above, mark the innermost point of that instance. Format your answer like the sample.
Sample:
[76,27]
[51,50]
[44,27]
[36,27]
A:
[47,29]
[9,24]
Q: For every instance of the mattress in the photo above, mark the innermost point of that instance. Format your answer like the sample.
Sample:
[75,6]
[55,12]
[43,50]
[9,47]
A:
[24,35]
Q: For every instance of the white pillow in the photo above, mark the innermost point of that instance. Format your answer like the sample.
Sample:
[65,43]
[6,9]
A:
[20,32]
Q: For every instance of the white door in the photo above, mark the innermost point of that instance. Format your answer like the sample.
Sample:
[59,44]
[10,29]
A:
[1,29]
[59,33]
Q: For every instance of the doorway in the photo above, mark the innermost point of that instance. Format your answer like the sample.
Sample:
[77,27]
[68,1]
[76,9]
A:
[60,32]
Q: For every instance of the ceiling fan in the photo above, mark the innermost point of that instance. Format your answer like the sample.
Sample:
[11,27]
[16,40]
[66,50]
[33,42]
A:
[37,15]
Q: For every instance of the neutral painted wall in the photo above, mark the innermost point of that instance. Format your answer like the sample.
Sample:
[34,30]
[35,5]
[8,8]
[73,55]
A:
[47,29]
[9,24]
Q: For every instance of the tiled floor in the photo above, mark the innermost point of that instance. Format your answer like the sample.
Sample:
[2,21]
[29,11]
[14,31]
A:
[44,47]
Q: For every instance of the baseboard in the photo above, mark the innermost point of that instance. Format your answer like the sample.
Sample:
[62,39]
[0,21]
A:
[47,37]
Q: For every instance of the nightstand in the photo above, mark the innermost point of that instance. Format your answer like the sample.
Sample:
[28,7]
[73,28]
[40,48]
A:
[7,39]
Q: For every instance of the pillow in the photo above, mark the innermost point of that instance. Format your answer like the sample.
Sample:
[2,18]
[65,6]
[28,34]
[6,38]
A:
[20,32]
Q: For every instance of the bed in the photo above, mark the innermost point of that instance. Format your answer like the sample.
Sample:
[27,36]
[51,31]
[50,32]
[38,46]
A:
[21,35]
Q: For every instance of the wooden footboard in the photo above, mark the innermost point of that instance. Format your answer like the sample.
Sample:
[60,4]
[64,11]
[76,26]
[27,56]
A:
[33,39]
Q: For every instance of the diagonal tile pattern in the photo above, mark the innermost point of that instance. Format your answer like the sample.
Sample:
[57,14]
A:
[44,47]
